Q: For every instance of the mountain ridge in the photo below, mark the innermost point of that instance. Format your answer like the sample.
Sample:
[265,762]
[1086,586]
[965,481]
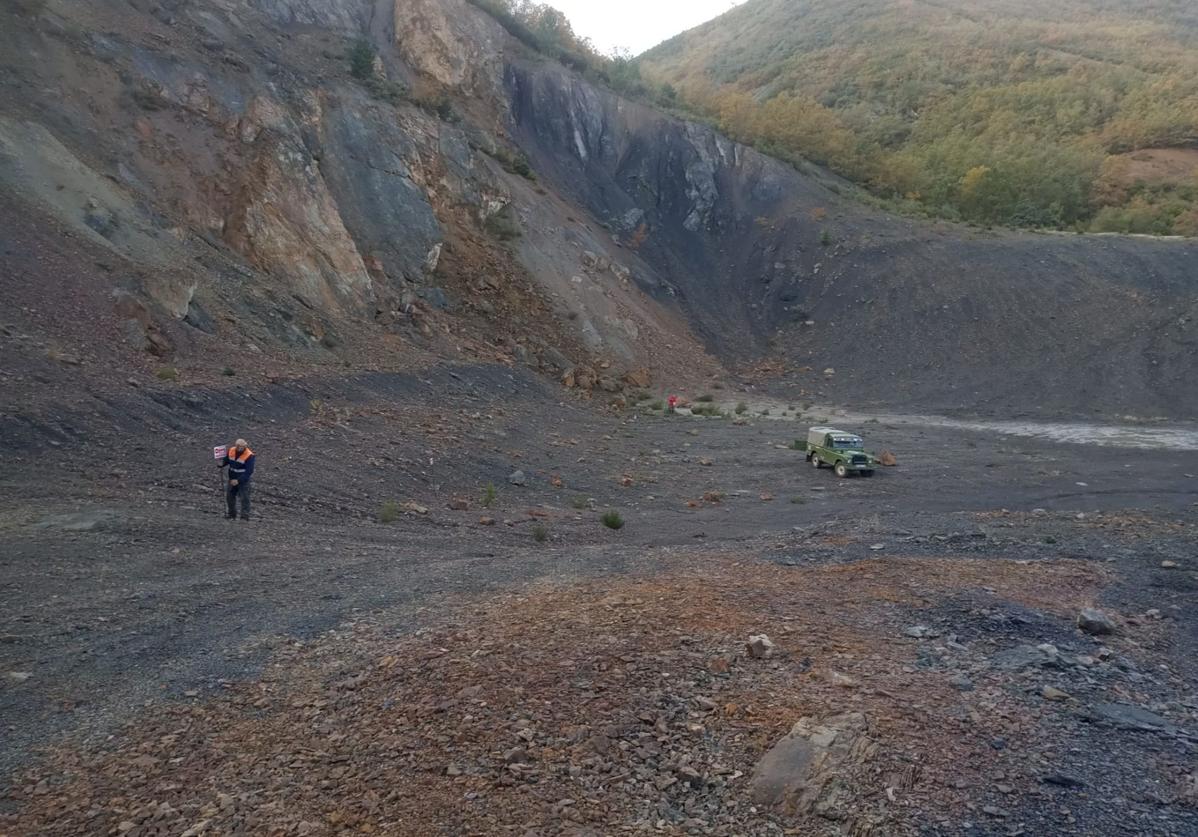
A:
[1007,113]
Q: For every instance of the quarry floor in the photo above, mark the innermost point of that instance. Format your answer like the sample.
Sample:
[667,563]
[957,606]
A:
[517,667]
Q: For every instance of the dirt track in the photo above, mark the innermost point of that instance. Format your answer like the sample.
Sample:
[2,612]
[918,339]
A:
[123,586]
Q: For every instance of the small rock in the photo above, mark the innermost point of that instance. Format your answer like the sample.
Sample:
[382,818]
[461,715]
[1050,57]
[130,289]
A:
[486,521]
[19,676]
[961,683]
[887,459]
[1095,622]
[841,680]
[921,632]
[719,665]
[1169,565]
[517,478]
[516,755]
[458,504]
[415,508]
[760,647]
[1053,693]
[1125,716]
[1063,780]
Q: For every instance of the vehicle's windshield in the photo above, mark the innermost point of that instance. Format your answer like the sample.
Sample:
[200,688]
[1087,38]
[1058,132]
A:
[846,443]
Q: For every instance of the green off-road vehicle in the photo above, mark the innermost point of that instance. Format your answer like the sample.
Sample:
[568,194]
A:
[843,452]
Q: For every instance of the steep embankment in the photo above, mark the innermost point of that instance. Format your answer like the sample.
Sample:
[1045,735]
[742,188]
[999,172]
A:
[202,189]
[907,313]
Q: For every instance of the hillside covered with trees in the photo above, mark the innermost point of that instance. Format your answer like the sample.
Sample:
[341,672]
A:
[1078,114]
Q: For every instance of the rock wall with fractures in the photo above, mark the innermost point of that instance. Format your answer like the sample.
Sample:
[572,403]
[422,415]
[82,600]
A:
[768,260]
[223,147]
[222,150]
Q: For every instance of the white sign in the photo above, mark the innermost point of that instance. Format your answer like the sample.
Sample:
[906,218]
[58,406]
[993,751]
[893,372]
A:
[220,452]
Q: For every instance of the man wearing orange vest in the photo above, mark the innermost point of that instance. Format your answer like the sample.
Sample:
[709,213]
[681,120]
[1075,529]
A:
[240,462]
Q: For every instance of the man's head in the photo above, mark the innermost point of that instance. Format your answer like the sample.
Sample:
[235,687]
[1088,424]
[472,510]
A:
[240,444]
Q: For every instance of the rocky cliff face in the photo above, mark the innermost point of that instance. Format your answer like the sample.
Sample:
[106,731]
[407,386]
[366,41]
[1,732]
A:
[221,185]
[223,157]
[768,260]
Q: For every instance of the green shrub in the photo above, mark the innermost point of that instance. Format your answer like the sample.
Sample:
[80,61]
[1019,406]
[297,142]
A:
[167,373]
[228,372]
[436,104]
[489,495]
[540,533]
[361,60]
[503,225]
[612,520]
[706,398]
[657,405]
[385,90]
[513,163]
[580,502]
[825,238]
[742,408]
[388,512]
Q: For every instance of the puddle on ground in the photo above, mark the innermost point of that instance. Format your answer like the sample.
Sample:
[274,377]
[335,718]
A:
[1104,435]
[1140,437]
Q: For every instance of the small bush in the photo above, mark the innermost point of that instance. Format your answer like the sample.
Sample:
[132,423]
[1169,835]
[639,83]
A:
[657,405]
[514,163]
[580,502]
[742,408]
[612,520]
[503,225]
[706,398]
[765,412]
[798,501]
[388,512]
[825,238]
[167,373]
[436,104]
[489,495]
[540,533]
[640,396]
[361,60]
[228,372]
[385,90]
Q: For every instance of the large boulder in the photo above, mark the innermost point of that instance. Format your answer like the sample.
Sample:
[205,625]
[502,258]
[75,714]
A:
[1095,622]
[811,770]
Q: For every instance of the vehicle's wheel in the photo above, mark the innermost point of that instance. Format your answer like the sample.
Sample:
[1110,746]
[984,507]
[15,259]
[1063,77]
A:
[841,470]
[816,463]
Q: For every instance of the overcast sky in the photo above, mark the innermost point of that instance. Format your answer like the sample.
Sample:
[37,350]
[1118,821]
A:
[637,24]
